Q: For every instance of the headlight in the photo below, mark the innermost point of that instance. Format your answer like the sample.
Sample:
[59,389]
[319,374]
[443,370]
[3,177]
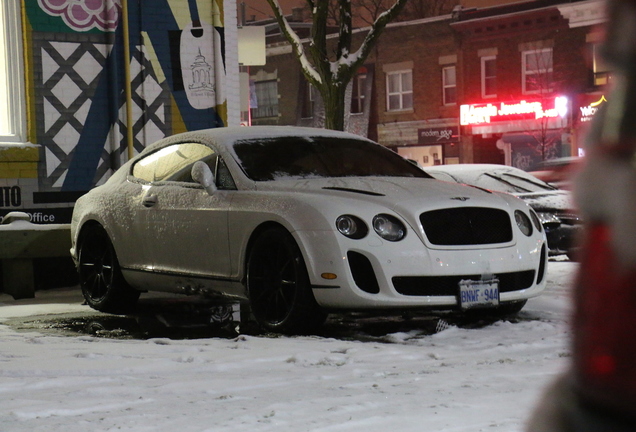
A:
[536,221]
[351,226]
[389,227]
[523,222]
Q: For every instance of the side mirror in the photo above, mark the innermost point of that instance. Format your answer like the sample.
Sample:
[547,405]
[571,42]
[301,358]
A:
[202,174]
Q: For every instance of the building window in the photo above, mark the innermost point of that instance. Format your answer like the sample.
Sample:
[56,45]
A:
[399,90]
[488,76]
[602,72]
[449,85]
[266,98]
[537,71]
[357,94]
[12,112]
[308,101]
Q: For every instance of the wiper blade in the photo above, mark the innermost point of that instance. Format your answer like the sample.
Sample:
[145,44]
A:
[519,188]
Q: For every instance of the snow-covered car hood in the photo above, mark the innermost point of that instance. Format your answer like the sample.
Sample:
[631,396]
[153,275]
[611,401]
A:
[550,200]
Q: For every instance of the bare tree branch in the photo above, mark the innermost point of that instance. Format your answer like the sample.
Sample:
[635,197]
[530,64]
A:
[309,70]
[332,77]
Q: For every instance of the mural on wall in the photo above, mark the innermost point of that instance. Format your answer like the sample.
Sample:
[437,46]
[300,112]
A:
[85,15]
[198,45]
[78,94]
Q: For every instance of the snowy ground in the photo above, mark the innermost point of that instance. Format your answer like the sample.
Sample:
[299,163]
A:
[459,379]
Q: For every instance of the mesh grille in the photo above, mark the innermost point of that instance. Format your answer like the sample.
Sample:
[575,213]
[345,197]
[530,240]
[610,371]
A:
[449,285]
[467,226]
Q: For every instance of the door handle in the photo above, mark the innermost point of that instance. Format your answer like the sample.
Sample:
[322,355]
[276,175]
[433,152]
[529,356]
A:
[149,200]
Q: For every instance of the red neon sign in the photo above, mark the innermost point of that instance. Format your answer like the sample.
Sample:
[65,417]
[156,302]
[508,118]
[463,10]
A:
[476,114]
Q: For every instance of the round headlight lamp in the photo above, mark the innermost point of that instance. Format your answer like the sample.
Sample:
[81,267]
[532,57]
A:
[351,226]
[389,227]
[523,222]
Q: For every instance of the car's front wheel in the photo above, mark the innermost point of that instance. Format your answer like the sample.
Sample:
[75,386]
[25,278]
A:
[100,278]
[278,285]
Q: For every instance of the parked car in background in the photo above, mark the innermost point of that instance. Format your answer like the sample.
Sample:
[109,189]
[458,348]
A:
[554,206]
[298,222]
[558,171]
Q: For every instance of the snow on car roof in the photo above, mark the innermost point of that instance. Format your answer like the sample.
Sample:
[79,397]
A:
[227,136]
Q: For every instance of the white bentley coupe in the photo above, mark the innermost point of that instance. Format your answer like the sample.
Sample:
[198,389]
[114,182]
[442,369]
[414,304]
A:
[297,222]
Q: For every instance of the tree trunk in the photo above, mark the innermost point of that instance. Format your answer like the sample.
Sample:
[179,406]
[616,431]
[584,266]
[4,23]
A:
[334,101]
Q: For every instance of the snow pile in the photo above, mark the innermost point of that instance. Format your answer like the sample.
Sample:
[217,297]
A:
[459,379]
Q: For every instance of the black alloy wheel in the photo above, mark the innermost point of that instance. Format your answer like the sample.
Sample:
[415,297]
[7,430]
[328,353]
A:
[278,285]
[102,283]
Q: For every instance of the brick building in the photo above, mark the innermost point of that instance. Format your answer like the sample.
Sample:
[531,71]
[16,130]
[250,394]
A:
[533,62]
[426,82]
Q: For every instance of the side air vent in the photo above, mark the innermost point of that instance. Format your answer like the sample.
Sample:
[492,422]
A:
[363,273]
[541,271]
[360,191]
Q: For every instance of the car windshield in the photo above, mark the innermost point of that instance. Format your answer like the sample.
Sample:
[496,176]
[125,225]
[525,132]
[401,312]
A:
[318,157]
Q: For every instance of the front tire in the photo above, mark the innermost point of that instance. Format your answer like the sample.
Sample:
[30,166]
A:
[278,285]
[103,285]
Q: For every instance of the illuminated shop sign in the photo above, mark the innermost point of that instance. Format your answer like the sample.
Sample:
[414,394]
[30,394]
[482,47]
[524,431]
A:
[438,135]
[587,112]
[477,114]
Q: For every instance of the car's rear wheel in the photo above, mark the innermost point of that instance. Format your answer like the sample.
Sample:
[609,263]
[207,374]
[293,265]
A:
[278,285]
[100,277]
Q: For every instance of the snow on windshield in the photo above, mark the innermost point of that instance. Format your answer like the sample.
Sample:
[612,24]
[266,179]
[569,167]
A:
[302,157]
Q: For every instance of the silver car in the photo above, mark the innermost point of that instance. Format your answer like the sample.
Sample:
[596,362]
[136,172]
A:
[298,222]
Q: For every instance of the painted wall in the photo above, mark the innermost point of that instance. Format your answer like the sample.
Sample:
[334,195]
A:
[76,99]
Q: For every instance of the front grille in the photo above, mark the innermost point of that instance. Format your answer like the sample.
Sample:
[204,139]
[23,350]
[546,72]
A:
[449,285]
[467,226]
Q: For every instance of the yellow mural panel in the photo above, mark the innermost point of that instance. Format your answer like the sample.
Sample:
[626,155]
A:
[210,11]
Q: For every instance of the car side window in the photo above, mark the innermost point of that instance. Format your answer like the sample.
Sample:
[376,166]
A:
[224,180]
[173,163]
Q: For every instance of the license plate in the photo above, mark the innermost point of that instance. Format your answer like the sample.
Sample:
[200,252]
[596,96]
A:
[478,294]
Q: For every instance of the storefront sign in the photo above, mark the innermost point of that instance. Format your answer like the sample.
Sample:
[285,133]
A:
[41,210]
[476,114]
[10,196]
[438,135]
[586,113]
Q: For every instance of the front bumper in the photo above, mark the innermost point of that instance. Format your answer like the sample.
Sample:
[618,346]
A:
[375,274]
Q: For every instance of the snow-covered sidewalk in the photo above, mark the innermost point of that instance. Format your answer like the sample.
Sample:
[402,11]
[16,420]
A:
[484,379]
